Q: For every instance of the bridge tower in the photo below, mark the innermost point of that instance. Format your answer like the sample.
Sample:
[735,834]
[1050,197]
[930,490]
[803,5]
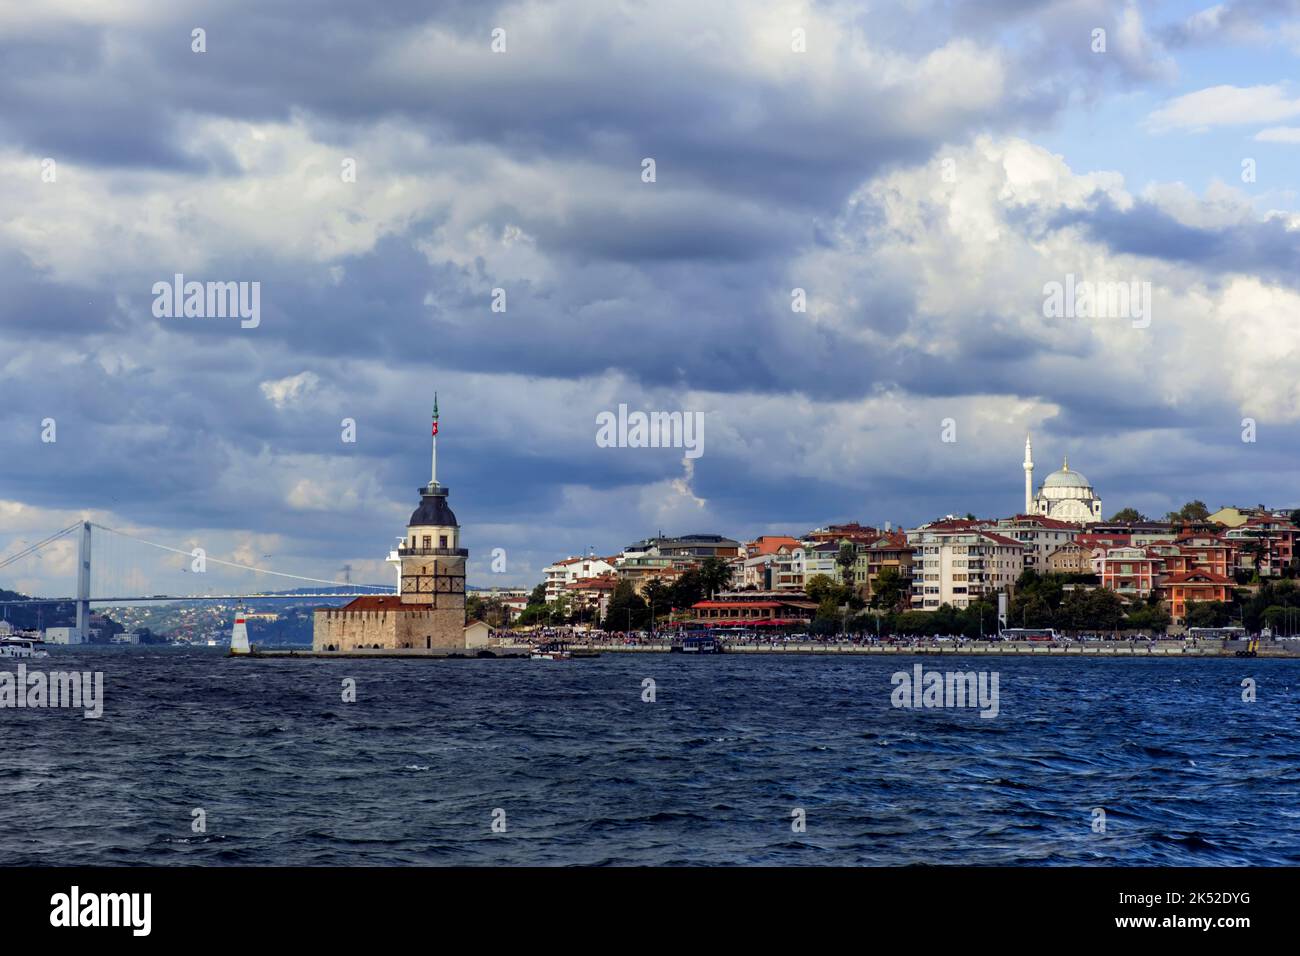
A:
[83,583]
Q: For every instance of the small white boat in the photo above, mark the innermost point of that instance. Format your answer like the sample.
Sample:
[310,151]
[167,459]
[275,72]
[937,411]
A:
[552,651]
[18,647]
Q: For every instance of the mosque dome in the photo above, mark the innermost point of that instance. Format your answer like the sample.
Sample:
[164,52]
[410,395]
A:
[1065,495]
[1065,478]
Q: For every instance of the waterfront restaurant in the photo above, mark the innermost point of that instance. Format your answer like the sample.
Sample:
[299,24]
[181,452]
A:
[753,609]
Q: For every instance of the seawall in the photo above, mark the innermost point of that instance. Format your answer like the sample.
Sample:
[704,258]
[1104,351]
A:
[996,648]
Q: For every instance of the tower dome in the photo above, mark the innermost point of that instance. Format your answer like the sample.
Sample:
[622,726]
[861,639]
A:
[433,510]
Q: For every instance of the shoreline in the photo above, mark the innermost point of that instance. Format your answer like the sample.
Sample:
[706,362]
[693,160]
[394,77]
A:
[514,651]
[977,648]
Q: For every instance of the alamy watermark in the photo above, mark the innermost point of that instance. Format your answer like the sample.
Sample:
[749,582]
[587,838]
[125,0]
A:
[75,908]
[651,430]
[75,689]
[935,689]
[208,300]
[1073,299]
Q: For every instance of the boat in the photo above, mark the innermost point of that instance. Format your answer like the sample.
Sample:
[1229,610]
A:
[551,651]
[21,647]
[699,642]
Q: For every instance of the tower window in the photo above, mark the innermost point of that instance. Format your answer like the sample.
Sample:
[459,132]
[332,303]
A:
[427,541]
[442,541]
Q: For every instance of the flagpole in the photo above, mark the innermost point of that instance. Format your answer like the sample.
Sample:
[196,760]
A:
[433,473]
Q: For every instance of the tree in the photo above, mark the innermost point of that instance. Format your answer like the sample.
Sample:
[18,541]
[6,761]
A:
[822,587]
[627,609]
[1029,611]
[1128,515]
[495,612]
[1037,598]
[1104,610]
[1274,616]
[1147,617]
[979,619]
[846,559]
[541,612]
[558,610]
[658,595]
[1207,614]
[532,614]
[715,575]
[828,617]
[687,590]
[538,595]
[818,586]
[887,591]
[1194,511]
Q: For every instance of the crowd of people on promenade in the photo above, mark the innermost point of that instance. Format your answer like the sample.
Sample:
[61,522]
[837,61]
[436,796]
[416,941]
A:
[594,637]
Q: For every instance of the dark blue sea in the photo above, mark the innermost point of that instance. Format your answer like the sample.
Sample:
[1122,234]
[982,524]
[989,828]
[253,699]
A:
[711,772]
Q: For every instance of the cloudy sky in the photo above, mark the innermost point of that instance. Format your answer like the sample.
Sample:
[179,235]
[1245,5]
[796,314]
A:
[920,169]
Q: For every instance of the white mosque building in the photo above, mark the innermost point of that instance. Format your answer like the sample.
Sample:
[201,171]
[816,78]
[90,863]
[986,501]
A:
[1064,495]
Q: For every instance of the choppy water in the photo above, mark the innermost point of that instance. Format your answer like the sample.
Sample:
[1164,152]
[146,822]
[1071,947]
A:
[588,773]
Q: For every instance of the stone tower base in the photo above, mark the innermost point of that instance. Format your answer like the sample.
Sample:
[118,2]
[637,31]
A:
[386,623]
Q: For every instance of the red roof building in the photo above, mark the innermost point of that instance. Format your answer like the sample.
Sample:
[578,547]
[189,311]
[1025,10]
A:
[1185,588]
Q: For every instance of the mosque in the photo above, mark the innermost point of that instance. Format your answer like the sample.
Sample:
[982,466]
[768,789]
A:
[1064,495]
[428,611]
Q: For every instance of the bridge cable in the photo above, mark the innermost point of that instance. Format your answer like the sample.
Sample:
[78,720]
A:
[231,564]
[4,563]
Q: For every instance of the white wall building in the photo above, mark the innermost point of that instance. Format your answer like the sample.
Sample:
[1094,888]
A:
[62,635]
[561,574]
[819,558]
[1040,536]
[961,567]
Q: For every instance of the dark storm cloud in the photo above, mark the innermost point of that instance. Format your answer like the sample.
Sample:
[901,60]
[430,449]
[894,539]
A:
[37,307]
[1265,248]
[118,96]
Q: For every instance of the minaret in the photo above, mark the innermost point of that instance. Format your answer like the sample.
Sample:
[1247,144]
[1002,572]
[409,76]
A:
[1029,475]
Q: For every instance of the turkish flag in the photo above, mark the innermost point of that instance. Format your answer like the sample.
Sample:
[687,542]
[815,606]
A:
[435,426]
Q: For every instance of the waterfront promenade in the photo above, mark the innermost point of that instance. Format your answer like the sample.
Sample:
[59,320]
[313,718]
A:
[1280,649]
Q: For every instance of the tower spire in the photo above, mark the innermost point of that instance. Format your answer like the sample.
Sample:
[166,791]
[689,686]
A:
[433,473]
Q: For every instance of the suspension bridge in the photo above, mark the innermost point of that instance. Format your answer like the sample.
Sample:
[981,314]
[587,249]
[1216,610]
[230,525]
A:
[118,570]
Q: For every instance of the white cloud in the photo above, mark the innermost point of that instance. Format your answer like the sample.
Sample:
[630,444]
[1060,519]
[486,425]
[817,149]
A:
[1224,106]
[290,390]
[979,247]
[1279,134]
